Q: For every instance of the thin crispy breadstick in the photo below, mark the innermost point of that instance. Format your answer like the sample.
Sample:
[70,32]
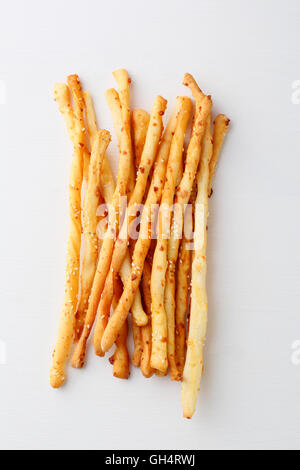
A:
[76,90]
[107,182]
[123,81]
[143,243]
[140,122]
[164,341]
[146,331]
[148,157]
[120,358]
[66,109]
[198,319]
[77,139]
[220,128]
[91,202]
[67,319]
[108,243]
[85,290]
[182,196]
[183,281]
[114,104]
[138,347]
[159,373]
[63,98]
[136,307]
[92,129]
[182,293]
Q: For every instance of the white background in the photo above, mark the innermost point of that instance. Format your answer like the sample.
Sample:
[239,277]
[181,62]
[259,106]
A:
[246,54]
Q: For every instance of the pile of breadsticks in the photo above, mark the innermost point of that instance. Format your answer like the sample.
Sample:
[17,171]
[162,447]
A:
[137,245]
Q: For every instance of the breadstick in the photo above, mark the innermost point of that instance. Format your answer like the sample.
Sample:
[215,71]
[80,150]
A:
[143,243]
[108,242]
[182,293]
[146,331]
[92,129]
[164,341]
[67,319]
[91,201]
[220,128]
[107,182]
[137,341]
[75,87]
[123,81]
[114,104]
[198,319]
[147,160]
[65,107]
[159,373]
[183,281]
[140,123]
[182,196]
[120,358]
[63,98]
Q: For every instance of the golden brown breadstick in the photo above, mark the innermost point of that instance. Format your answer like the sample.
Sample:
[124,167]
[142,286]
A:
[159,373]
[140,123]
[67,319]
[183,280]
[146,331]
[66,109]
[138,347]
[108,242]
[220,128]
[198,319]
[91,202]
[63,98]
[143,243]
[182,196]
[107,182]
[123,81]
[182,294]
[120,358]
[114,104]
[76,90]
[108,187]
[92,129]
[164,341]
[147,160]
